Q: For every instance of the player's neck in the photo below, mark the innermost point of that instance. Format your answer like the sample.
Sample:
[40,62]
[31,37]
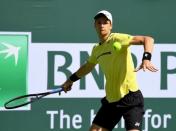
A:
[103,38]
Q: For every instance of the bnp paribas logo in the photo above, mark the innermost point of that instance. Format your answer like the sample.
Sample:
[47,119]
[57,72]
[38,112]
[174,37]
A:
[10,50]
[13,65]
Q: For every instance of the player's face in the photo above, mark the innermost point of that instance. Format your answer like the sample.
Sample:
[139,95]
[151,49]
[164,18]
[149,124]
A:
[103,26]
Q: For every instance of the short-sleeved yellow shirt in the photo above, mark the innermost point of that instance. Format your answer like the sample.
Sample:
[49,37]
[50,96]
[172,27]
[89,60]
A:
[117,66]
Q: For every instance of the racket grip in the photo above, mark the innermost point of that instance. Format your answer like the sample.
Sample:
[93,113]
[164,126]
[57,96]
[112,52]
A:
[60,89]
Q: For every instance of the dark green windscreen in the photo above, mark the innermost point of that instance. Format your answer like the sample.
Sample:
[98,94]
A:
[72,20]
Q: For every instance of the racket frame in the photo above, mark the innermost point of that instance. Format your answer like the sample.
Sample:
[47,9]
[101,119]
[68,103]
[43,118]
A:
[36,97]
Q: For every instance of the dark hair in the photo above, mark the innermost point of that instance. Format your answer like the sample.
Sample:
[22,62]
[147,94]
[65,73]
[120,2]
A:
[99,15]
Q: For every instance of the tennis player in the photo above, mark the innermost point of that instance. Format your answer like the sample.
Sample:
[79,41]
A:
[123,97]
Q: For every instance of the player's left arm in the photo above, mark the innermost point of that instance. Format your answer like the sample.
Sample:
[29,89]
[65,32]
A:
[148,43]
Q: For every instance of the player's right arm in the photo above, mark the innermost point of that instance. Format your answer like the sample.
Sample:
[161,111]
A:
[82,71]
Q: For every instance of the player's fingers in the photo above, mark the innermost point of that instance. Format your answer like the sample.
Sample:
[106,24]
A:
[69,88]
[65,88]
[152,69]
[144,68]
[155,69]
[137,69]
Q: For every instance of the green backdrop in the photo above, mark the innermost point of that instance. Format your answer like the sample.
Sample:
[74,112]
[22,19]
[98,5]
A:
[72,21]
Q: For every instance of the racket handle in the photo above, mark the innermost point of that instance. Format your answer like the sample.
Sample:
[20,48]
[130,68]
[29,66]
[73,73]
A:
[60,89]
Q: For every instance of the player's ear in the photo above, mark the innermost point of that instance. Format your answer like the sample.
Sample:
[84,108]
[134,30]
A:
[111,26]
[95,23]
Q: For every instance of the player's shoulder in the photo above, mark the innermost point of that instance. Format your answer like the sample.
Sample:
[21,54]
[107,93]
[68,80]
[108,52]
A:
[120,34]
[96,45]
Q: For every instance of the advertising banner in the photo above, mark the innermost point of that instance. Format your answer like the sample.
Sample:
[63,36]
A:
[38,67]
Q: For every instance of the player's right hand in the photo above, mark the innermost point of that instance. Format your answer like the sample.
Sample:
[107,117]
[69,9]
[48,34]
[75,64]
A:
[67,85]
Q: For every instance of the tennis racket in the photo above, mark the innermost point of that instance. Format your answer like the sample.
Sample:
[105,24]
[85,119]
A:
[28,99]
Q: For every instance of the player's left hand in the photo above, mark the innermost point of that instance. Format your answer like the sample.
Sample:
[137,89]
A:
[146,65]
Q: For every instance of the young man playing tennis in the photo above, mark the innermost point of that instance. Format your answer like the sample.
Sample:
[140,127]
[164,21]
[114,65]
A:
[123,97]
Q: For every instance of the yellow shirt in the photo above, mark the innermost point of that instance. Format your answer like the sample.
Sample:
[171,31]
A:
[117,66]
